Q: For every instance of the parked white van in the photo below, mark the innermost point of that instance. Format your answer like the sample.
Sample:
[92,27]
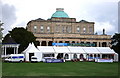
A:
[15,58]
[34,59]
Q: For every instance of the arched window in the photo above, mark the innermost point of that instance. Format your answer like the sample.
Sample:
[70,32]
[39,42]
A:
[98,55]
[81,56]
[91,56]
[94,55]
[75,56]
[66,56]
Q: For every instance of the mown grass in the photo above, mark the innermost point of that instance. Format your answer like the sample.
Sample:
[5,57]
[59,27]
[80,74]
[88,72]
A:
[60,69]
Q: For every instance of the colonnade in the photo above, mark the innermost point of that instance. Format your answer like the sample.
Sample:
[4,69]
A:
[97,44]
[12,46]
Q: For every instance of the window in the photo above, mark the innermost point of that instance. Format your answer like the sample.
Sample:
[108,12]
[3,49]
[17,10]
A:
[81,56]
[78,29]
[41,29]
[66,56]
[84,30]
[75,56]
[48,29]
[35,28]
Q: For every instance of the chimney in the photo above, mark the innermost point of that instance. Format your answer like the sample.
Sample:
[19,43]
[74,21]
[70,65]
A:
[103,31]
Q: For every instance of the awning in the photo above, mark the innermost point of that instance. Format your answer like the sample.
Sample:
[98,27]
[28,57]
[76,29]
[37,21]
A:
[76,50]
[105,50]
[46,49]
[61,49]
[91,50]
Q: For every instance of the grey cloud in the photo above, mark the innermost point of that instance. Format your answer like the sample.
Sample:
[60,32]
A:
[8,17]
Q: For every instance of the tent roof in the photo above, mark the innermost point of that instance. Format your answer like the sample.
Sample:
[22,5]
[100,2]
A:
[69,49]
[31,48]
[61,49]
[46,49]
[76,50]
[105,50]
[90,50]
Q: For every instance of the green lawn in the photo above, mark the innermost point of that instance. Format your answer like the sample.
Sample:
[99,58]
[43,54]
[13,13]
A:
[60,69]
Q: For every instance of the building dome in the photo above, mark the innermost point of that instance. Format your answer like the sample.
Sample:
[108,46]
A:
[60,13]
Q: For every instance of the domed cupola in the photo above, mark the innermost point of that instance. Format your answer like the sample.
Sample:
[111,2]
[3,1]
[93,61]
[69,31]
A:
[60,13]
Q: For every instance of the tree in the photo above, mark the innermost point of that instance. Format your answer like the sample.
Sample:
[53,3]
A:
[22,37]
[116,43]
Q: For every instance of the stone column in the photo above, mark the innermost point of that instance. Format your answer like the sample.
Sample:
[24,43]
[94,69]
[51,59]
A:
[40,43]
[107,44]
[97,44]
[17,50]
[14,50]
[47,43]
[101,44]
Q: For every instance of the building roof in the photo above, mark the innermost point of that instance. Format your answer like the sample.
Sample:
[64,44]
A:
[60,13]
[31,48]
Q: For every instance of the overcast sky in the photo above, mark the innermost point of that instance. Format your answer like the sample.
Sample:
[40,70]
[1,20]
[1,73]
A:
[17,13]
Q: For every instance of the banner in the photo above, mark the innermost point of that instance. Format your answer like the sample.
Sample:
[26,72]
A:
[74,44]
[104,60]
[60,44]
[54,60]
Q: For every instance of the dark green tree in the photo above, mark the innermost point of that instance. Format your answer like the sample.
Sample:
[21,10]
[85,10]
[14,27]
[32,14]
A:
[22,37]
[116,43]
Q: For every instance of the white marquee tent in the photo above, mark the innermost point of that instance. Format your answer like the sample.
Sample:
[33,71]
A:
[31,49]
[69,50]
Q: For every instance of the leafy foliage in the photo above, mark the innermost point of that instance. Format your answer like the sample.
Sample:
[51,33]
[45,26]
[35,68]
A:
[22,37]
[116,43]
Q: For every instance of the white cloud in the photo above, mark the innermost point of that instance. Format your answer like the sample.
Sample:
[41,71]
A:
[99,26]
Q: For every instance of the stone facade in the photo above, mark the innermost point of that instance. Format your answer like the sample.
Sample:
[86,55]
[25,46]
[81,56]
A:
[66,30]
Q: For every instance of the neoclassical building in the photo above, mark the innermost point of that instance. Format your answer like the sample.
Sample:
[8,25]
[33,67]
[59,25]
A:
[60,28]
